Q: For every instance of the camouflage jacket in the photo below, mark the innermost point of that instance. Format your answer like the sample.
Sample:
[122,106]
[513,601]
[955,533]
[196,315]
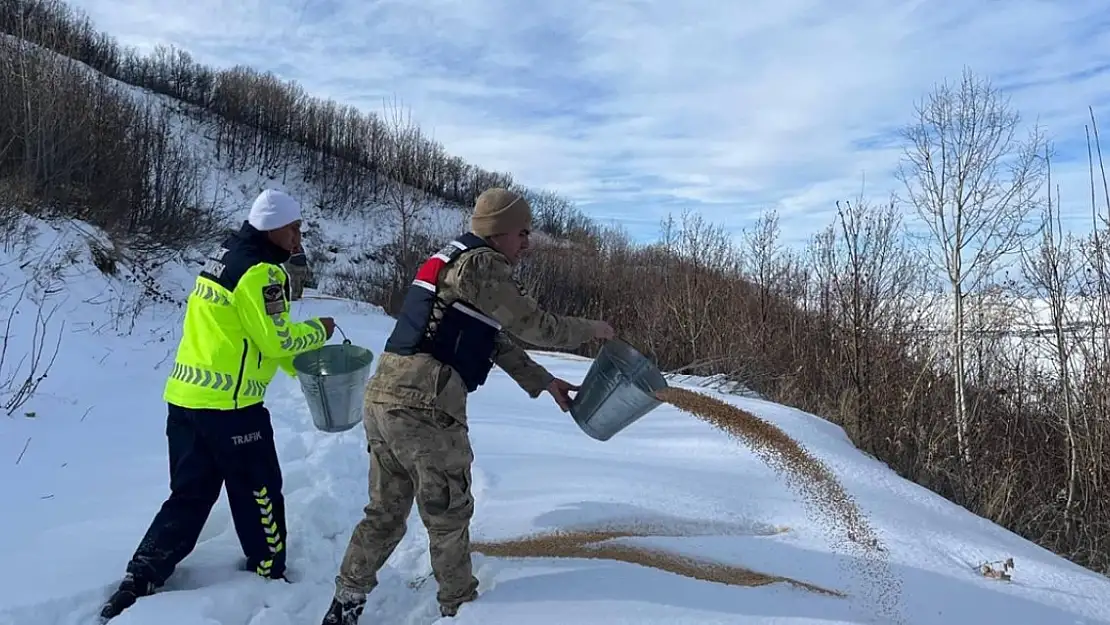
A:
[482,277]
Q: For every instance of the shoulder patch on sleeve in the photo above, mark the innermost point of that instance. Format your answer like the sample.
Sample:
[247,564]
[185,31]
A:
[274,299]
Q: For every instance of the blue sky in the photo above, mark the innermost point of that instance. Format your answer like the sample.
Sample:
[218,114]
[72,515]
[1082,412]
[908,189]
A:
[638,108]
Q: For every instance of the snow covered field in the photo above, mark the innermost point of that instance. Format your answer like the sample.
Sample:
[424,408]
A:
[83,469]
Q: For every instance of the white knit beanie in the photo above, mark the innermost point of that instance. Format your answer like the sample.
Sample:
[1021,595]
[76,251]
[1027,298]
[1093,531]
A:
[272,210]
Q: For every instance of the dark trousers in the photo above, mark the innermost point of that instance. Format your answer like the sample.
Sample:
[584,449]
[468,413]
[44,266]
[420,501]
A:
[209,449]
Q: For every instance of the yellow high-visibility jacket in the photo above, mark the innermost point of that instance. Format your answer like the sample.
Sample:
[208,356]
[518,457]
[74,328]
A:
[237,331]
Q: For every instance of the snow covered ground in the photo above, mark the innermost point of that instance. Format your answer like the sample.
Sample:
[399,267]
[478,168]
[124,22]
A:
[83,469]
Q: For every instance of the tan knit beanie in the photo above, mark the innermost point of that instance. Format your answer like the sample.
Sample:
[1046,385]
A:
[500,211]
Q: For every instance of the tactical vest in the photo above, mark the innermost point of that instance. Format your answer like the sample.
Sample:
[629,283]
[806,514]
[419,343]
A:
[463,337]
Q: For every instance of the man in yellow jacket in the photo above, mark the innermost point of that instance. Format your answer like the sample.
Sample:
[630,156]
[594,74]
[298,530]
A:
[237,333]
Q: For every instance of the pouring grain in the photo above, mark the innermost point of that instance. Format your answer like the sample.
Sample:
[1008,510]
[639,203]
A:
[831,505]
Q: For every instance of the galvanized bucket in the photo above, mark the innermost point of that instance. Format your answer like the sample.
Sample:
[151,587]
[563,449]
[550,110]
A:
[333,379]
[619,389]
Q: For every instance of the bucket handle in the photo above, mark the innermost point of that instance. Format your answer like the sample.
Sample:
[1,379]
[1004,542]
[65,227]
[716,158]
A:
[346,341]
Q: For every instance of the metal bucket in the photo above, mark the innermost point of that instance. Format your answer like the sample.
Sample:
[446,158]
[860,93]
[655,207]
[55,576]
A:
[333,379]
[619,389]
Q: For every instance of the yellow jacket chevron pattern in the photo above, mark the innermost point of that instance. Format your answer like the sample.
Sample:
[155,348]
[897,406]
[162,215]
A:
[234,341]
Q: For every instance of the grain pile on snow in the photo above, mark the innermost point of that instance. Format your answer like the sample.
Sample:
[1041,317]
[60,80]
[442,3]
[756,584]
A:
[600,545]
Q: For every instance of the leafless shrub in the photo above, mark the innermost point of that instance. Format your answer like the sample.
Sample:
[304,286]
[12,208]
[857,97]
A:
[263,122]
[20,379]
[76,145]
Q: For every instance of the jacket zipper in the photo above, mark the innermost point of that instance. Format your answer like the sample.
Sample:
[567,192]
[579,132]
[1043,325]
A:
[242,370]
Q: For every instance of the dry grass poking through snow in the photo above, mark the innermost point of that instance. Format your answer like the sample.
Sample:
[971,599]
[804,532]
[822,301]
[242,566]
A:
[810,478]
[597,544]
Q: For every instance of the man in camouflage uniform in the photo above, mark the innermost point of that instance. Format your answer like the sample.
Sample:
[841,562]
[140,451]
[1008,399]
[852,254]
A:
[297,268]
[452,328]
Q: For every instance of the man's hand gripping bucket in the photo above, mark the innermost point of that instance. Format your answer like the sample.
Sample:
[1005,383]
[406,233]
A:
[333,379]
[619,388]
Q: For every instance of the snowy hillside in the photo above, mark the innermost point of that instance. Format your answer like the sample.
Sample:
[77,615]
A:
[83,469]
[334,243]
[336,238]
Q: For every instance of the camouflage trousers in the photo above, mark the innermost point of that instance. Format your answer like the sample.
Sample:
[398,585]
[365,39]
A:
[422,455]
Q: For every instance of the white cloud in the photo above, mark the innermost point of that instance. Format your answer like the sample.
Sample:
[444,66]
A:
[635,108]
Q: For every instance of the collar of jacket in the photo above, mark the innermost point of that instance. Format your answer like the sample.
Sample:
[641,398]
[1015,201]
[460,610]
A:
[261,245]
[489,245]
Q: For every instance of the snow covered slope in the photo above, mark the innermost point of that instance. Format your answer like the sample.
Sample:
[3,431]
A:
[83,468]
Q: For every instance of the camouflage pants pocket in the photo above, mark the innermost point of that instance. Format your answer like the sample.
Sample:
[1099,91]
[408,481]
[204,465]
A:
[458,491]
[443,421]
[445,493]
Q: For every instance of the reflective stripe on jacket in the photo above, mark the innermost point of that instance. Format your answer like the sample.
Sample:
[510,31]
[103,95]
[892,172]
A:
[452,332]
[237,330]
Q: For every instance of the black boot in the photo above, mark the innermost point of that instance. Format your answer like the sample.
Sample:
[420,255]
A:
[129,590]
[344,612]
[448,610]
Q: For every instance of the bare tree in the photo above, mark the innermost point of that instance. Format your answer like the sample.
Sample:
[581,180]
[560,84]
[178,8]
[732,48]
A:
[406,203]
[973,183]
[874,282]
[1052,270]
[765,262]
